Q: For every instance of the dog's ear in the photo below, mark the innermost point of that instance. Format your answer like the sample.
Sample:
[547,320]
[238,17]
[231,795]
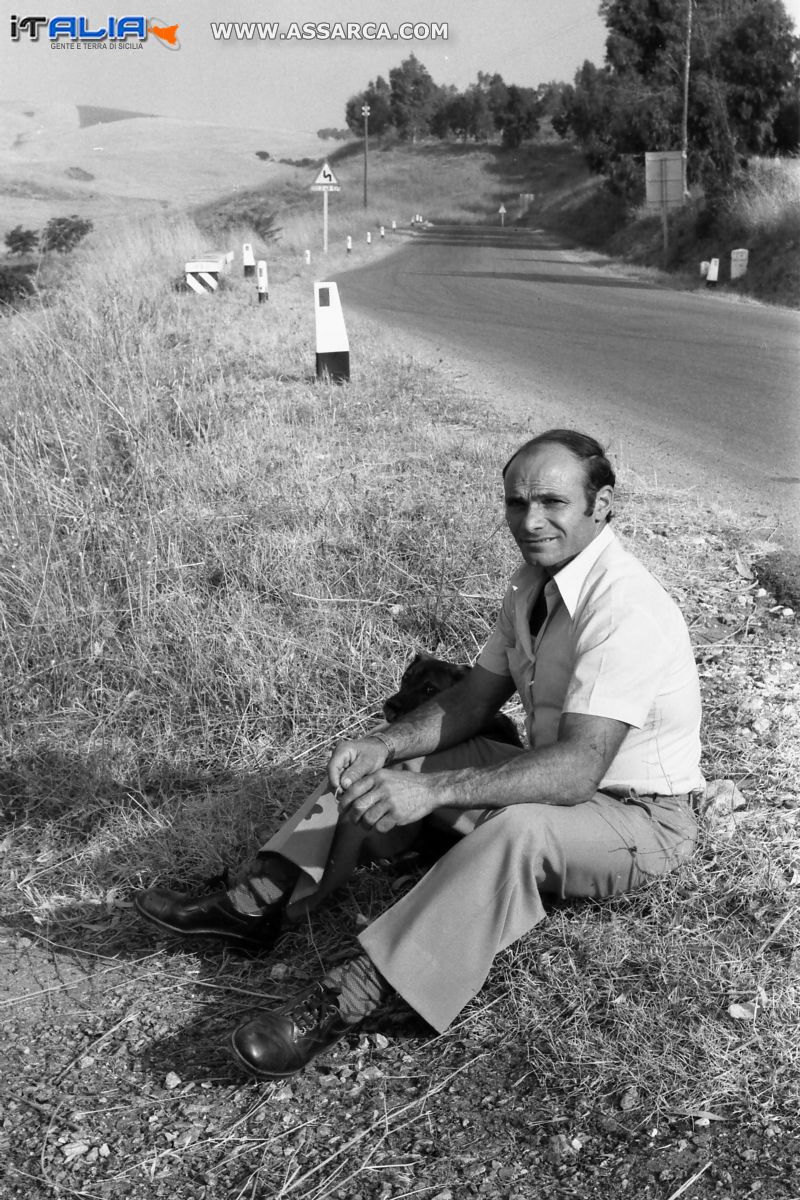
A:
[424,656]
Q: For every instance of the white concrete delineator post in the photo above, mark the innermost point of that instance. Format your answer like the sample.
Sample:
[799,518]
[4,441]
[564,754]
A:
[248,260]
[713,273]
[383,232]
[394,226]
[369,238]
[349,244]
[739,262]
[333,348]
[262,281]
[202,274]
[308,258]
[704,265]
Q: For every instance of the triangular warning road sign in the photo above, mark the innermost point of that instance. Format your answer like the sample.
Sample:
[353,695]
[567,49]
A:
[326,176]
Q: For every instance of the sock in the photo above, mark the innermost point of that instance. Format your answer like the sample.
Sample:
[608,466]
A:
[361,988]
[264,881]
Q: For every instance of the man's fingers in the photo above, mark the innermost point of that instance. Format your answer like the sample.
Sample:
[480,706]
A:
[353,793]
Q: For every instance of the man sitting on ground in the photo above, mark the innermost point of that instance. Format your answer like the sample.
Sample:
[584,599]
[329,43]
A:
[599,804]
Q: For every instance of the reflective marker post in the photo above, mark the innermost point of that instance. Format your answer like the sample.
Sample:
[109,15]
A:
[333,347]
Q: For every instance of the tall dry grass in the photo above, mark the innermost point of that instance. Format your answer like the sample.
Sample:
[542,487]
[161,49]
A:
[768,200]
[211,564]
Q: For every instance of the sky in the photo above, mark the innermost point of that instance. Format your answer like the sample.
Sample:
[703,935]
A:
[294,84]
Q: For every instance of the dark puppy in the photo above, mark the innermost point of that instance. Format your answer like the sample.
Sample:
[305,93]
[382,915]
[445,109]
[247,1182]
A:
[424,677]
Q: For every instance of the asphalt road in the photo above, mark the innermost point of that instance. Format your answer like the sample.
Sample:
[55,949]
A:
[698,390]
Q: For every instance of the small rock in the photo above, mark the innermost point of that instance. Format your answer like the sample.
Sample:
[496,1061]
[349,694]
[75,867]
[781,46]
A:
[787,614]
[172,1081]
[629,1099]
[278,970]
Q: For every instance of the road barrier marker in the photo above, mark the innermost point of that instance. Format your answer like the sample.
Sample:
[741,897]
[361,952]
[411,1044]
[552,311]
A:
[262,281]
[333,348]
[248,260]
[713,273]
[739,263]
[202,275]
[349,244]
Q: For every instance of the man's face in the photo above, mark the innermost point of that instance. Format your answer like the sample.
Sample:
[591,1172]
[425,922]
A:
[546,507]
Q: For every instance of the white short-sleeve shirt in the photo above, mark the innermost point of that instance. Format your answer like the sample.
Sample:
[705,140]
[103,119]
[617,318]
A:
[614,645]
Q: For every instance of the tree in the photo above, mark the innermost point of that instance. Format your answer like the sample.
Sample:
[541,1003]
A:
[21,241]
[414,96]
[64,233]
[520,118]
[743,73]
[378,96]
[495,93]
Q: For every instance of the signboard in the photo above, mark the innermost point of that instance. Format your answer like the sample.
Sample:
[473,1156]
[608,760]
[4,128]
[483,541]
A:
[665,174]
[326,181]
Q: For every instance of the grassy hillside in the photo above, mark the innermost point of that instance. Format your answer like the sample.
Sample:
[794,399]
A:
[107,166]
[212,564]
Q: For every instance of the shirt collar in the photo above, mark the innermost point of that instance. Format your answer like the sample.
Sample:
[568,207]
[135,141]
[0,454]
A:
[571,578]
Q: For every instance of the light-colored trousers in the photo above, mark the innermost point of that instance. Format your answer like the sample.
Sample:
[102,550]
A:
[435,946]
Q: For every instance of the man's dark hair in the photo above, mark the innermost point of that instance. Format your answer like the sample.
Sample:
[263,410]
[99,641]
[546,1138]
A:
[597,470]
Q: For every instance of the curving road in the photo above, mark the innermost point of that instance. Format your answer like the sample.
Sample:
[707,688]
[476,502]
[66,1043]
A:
[700,389]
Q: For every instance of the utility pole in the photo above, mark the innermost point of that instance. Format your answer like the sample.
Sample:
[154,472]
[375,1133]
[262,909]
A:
[687,58]
[365,115]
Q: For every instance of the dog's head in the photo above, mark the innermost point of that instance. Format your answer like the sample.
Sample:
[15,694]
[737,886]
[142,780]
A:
[422,678]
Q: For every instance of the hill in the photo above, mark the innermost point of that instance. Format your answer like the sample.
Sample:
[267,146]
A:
[104,163]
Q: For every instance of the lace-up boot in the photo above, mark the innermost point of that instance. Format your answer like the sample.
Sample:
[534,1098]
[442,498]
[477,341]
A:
[276,1045]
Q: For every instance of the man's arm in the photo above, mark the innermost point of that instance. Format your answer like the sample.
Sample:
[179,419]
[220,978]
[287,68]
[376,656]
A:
[445,720]
[566,773]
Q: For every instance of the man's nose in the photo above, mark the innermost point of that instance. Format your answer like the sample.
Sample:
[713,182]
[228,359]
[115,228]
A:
[534,518]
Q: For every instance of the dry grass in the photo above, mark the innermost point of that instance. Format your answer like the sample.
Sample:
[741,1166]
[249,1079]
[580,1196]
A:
[211,564]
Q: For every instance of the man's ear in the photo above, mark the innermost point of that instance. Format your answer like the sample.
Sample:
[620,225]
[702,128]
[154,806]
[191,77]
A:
[602,502]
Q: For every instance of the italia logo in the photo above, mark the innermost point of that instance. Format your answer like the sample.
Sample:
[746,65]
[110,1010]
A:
[80,29]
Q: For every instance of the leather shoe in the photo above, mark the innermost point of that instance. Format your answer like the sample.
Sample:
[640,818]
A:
[277,1045]
[208,916]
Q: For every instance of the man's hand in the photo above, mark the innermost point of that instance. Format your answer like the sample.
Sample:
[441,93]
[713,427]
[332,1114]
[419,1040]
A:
[352,760]
[387,798]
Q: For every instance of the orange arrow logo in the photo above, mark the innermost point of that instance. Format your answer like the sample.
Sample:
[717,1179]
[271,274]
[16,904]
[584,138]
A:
[167,33]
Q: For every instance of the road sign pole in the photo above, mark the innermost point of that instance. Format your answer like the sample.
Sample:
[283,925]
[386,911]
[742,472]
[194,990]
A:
[365,111]
[664,212]
[324,222]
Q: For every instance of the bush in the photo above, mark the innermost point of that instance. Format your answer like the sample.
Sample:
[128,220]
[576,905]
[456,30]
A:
[64,233]
[21,241]
[15,285]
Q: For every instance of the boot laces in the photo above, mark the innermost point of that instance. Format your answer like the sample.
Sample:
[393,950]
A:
[316,1010]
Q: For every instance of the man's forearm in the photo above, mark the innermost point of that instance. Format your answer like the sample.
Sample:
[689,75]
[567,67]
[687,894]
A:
[563,774]
[435,725]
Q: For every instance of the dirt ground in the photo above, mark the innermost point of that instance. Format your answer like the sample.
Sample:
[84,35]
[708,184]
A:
[118,1083]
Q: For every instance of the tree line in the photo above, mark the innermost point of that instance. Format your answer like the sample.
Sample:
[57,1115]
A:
[743,96]
[412,106]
